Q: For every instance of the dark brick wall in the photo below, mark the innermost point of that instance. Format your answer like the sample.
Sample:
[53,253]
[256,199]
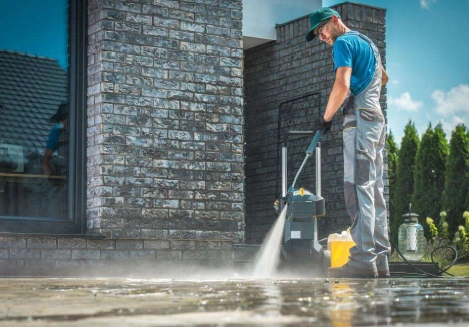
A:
[282,72]
[165,122]
[165,146]
[31,255]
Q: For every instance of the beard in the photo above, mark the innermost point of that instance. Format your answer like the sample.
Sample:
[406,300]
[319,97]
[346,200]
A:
[331,39]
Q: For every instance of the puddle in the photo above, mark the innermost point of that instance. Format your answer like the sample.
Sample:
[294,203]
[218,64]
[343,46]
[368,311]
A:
[233,302]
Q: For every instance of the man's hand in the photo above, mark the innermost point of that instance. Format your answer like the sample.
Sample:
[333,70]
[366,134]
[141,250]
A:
[324,125]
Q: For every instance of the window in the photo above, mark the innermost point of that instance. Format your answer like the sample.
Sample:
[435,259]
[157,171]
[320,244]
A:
[43,115]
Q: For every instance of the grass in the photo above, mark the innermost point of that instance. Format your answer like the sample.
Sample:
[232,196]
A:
[460,269]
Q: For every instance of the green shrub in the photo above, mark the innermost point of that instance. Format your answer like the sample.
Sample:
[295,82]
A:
[461,237]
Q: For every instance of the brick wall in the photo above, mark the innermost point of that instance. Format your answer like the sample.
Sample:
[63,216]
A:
[79,256]
[165,156]
[165,122]
[285,71]
[165,151]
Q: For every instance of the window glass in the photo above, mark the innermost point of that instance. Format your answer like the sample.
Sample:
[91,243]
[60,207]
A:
[34,109]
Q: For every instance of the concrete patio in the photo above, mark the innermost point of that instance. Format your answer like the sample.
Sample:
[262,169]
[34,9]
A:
[228,299]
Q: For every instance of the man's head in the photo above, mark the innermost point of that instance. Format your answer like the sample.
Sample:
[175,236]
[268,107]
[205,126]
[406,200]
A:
[61,114]
[323,23]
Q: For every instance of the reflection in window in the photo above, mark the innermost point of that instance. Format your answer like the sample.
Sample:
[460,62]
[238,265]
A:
[34,109]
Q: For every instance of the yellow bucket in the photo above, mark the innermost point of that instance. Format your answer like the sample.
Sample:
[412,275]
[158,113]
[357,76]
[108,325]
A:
[339,245]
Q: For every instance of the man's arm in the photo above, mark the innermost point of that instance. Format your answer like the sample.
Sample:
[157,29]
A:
[384,77]
[46,160]
[339,92]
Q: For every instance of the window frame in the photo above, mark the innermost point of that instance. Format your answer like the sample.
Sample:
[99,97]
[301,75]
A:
[77,85]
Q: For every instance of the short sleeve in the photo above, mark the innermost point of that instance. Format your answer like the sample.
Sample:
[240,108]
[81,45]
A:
[342,54]
[53,140]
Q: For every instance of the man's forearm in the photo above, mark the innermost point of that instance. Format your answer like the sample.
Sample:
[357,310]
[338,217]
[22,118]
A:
[338,94]
[46,162]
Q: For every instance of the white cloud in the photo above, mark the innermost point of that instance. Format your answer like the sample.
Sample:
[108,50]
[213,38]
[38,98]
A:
[424,3]
[405,102]
[450,124]
[452,102]
[452,107]
[447,107]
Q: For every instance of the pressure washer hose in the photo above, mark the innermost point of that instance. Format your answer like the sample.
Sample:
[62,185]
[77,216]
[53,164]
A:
[424,273]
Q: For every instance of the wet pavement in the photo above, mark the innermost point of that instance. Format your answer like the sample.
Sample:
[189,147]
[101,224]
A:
[233,301]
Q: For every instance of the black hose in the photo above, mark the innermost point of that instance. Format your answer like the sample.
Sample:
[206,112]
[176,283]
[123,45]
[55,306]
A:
[424,273]
[445,271]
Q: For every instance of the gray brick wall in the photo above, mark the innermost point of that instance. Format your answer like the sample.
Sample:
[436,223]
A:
[165,125]
[78,256]
[282,71]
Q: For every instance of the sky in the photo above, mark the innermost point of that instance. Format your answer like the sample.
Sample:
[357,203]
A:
[36,27]
[427,60]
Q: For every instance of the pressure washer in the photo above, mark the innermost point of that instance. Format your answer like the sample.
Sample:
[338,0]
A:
[300,237]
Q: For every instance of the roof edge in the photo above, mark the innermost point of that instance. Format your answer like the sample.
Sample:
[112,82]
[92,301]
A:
[358,4]
[25,54]
[336,5]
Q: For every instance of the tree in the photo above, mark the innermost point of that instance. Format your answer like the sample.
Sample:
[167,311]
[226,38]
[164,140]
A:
[404,187]
[392,154]
[430,174]
[457,178]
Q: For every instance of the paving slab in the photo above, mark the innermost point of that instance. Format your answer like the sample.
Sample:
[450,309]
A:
[233,301]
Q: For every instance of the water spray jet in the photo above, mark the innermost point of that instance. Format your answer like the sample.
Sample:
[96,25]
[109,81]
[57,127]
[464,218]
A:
[296,228]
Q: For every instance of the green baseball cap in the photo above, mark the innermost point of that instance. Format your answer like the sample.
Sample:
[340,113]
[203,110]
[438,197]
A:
[317,17]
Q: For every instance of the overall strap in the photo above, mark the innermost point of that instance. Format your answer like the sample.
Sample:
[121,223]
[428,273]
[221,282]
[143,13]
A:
[369,97]
[372,45]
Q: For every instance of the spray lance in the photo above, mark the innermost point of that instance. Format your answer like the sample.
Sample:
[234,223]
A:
[309,153]
[287,198]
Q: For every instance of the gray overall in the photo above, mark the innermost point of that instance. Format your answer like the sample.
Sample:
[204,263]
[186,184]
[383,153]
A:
[364,134]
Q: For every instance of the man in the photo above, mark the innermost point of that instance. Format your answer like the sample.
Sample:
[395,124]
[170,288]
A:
[57,140]
[57,168]
[359,76]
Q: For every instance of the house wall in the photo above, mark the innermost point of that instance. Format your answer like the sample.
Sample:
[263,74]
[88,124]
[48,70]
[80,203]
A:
[165,120]
[165,158]
[289,75]
[165,162]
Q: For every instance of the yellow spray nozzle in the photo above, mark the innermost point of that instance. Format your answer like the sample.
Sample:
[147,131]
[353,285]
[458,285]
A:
[302,191]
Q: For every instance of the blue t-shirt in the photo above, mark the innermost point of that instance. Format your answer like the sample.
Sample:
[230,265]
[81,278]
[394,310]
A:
[53,140]
[350,50]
